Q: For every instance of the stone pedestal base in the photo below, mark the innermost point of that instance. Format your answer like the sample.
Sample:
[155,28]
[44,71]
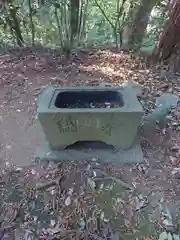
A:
[132,156]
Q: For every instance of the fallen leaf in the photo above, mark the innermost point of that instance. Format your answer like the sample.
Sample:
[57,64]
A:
[68,201]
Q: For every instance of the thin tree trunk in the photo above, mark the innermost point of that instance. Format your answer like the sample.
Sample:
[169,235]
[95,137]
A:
[58,24]
[118,25]
[31,22]
[15,24]
[82,19]
[109,21]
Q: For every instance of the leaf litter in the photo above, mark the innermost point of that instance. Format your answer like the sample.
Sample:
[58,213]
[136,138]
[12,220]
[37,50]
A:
[35,193]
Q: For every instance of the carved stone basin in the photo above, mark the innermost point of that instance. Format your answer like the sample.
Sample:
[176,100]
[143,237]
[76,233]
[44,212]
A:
[89,113]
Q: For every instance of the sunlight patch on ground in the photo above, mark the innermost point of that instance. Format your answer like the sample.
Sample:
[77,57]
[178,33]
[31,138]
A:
[121,73]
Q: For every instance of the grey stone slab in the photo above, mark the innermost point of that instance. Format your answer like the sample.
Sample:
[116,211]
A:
[164,104]
[130,156]
[167,100]
[114,126]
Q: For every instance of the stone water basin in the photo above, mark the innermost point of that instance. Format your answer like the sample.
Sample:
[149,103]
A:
[110,115]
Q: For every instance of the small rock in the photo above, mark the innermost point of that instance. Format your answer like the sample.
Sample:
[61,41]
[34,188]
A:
[167,100]
[164,104]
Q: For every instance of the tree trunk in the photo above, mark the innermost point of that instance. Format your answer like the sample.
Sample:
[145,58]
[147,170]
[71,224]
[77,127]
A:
[74,19]
[137,28]
[127,29]
[82,20]
[168,47]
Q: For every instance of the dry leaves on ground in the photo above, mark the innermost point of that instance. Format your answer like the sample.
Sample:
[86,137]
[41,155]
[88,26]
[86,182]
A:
[23,77]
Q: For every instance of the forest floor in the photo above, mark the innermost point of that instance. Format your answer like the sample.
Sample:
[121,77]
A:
[23,74]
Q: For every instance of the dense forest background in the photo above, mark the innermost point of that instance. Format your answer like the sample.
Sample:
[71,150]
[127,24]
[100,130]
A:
[70,24]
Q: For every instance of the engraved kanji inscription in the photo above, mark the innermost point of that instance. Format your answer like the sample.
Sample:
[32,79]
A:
[107,129]
[67,124]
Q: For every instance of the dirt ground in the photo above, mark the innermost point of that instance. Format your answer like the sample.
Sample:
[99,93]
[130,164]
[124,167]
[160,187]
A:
[23,74]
